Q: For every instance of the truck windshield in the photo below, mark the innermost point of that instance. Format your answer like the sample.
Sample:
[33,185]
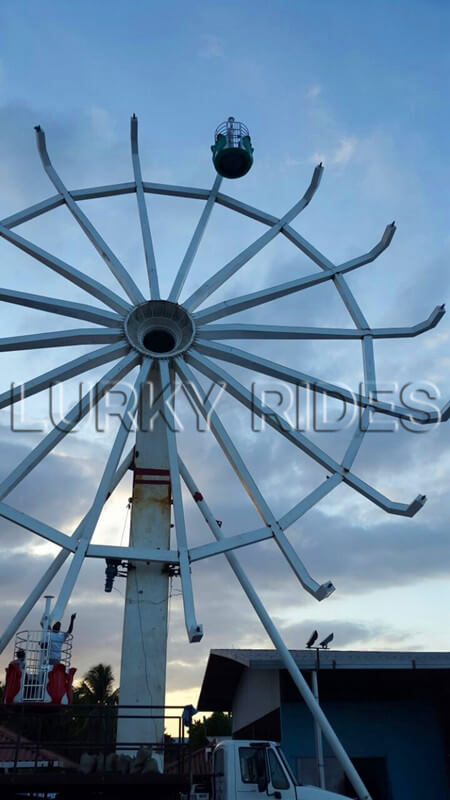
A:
[287,767]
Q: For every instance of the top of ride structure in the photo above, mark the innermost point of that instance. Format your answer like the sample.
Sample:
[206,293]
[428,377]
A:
[181,339]
[232,149]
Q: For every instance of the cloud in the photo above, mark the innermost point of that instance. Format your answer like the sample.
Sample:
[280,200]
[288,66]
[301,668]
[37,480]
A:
[344,151]
[314,92]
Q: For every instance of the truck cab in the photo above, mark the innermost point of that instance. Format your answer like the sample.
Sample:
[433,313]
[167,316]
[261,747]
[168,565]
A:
[255,770]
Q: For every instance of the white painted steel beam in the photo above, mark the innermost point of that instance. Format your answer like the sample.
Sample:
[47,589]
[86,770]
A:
[372,254]
[230,543]
[103,355]
[198,397]
[110,259]
[291,234]
[143,214]
[110,190]
[191,252]
[62,307]
[279,644]
[285,332]
[230,269]
[96,289]
[33,211]
[194,630]
[75,337]
[125,465]
[237,356]
[168,190]
[150,555]
[307,248]
[53,569]
[35,526]
[101,495]
[246,210]
[228,307]
[310,500]
[233,387]
[76,414]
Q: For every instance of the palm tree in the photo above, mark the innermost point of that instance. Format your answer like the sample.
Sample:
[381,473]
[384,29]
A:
[96,688]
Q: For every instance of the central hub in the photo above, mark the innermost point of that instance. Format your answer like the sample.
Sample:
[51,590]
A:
[159,328]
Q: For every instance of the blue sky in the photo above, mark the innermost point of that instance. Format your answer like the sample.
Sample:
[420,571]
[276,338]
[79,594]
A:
[362,87]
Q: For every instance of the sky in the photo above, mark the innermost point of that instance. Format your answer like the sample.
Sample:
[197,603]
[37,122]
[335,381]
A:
[360,87]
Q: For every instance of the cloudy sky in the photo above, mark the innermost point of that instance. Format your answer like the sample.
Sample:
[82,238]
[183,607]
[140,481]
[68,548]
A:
[362,89]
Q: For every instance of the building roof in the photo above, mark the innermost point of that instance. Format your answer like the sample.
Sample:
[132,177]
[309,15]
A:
[225,667]
[26,752]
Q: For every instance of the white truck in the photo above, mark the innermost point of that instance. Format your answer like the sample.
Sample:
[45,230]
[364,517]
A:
[255,770]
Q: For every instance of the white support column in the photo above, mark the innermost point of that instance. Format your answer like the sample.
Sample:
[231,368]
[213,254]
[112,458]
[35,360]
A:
[274,635]
[318,733]
[144,644]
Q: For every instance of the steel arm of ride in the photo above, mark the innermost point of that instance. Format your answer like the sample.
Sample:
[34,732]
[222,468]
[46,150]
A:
[101,494]
[194,630]
[294,237]
[34,525]
[110,259]
[53,569]
[233,387]
[194,243]
[228,307]
[63,307]
[278,642]
[197,395]
[77,336]
[247,331]
[143,215]
[66,371]
[224,274]
[77,412]
[72,274]
[243,359]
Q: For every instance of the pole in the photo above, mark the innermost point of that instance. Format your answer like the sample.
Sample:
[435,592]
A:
[144,643]
[317,731]
[279,644]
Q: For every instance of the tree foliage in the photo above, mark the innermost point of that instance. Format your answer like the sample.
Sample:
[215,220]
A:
[96,688]
[218,724]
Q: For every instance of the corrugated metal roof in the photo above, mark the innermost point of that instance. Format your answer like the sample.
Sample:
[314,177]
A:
[225,668]
[26,751]
[339,659]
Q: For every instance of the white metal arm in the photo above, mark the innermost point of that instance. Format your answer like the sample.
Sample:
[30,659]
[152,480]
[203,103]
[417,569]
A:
[77,412]
[143,214]
[194,630]
[63,373]
[118,270]
[101,495]
[238,391]
[62,307]
[238,262]
[195,391]
[236,356]
[56,564]
[278,642]
[194,243]
[77,336]
[98,290]
[247,331]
